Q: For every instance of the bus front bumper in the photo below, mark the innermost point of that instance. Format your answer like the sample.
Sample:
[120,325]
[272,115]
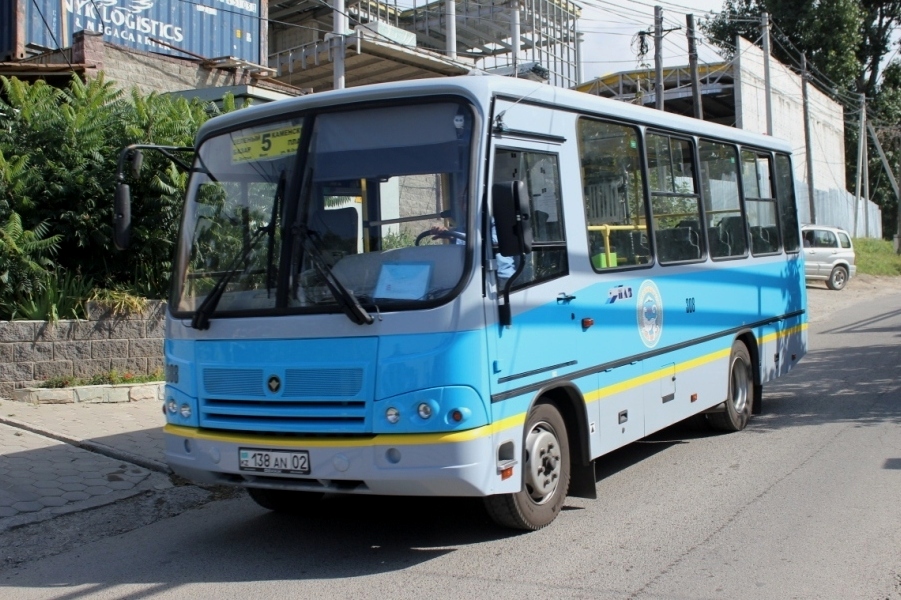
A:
[458,464]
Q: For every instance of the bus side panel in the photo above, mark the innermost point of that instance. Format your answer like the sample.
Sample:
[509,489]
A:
[620,407]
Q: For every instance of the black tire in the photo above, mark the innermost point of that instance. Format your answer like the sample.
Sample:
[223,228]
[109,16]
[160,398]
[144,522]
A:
[545,468]
[838,279]
[740,394]
[284,501]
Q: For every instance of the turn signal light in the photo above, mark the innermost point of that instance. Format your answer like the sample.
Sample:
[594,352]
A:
[506,473]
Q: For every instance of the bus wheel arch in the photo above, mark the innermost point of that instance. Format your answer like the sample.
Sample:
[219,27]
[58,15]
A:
[741,383]
[750,343]
[545,464]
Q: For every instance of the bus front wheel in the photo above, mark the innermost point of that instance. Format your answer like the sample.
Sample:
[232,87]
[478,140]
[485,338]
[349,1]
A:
[740,400]
[545,465]
[284,501]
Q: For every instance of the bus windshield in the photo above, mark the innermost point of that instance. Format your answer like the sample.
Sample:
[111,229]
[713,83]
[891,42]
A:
[380,212]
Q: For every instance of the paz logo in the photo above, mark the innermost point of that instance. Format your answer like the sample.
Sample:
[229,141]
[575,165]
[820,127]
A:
[619,292]
[274,384]
[649,313]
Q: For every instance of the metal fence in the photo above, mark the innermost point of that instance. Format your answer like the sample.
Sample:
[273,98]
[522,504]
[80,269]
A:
[836,208]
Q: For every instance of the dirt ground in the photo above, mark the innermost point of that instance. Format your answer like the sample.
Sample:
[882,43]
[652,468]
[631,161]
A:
[821,301]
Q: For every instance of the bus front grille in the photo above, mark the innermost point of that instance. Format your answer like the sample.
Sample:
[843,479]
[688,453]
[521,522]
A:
[285,415]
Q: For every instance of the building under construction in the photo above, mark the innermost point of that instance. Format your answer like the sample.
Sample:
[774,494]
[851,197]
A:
[447,37]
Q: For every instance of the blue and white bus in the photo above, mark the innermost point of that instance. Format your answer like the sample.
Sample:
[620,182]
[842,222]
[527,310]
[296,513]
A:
[471,286]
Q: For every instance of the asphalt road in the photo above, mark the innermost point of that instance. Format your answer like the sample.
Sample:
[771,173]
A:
[806,503]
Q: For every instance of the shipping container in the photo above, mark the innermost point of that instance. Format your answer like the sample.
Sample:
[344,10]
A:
[209,28]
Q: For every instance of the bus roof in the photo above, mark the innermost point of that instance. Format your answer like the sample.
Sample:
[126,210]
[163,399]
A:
[482,89]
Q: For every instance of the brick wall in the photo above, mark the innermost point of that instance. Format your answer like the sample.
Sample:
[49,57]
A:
[32,351]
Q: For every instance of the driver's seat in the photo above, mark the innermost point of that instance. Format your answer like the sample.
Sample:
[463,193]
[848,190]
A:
[339,230]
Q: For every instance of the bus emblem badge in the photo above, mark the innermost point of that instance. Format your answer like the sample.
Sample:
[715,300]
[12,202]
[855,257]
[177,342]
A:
[649,310]
[274,384]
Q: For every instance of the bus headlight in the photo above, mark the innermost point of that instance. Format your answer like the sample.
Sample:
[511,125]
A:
[186,410]
[425,411]
[172,405]
[392,415]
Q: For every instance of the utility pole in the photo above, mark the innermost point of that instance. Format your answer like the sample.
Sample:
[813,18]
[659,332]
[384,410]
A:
[866,186]
[861,143]
[515,39]
[658,57]
[337,42]
[693,67]
[807,143]
[767,88]
[450,14]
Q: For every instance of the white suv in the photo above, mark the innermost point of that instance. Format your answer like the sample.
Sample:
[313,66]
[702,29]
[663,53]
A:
[828,254]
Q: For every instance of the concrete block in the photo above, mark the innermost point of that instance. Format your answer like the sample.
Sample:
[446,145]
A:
[33,352]
[89,330]
[13,371]
[57,368]
[72,350]
[17,331]
[109,348]
[155,328]
[86,368]
[127,330]
[6,390]
[145,347]
[44,396]
[7,351]
[129,365]
[150,391]
[55,332]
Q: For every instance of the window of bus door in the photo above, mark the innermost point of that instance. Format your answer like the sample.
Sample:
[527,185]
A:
[788,208]
[613,193]
[760,204]
[726,231]
[675,203]
[541,174]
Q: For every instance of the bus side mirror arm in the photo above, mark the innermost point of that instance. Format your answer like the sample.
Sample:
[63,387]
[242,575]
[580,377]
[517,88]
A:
[122,205]
[510,209]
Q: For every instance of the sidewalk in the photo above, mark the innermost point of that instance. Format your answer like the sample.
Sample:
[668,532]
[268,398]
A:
[60,458]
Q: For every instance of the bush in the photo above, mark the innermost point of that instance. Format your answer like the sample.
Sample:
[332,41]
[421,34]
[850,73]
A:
[59,151]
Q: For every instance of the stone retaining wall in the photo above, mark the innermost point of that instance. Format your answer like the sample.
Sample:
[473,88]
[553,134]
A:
[33,351]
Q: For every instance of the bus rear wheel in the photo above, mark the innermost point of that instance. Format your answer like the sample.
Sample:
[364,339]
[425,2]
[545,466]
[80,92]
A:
[740,400]
[545,465]
[284,501]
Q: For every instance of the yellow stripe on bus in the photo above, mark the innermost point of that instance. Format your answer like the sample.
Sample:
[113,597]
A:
[394,439]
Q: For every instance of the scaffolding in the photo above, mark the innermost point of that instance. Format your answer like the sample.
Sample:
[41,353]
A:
[548,33]
[482,36]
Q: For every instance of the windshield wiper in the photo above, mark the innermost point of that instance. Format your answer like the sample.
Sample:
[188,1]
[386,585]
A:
[201,318]
[344,297]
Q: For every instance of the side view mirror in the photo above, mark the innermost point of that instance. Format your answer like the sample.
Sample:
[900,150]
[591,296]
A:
[122,216]
[510,207]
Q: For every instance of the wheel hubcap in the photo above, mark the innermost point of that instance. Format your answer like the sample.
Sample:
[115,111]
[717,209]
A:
[740,385]
[542,462]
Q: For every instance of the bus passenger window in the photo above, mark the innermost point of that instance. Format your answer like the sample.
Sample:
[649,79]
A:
[541,174]
[785,198]
[675,203]
[613,193]
[760,204]
[726,232]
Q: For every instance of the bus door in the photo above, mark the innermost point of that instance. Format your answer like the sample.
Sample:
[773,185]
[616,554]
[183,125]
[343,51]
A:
[542,341]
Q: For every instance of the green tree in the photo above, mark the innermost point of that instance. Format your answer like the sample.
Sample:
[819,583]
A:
[66,144]
[25,260]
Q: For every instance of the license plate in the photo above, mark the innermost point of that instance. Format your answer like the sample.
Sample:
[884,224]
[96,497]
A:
[274,461]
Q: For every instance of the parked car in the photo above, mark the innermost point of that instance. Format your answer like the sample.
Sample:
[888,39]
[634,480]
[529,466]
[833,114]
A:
[829,255]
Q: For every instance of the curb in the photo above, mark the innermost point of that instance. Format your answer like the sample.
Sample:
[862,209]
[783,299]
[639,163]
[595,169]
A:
[91,446]
[95,394]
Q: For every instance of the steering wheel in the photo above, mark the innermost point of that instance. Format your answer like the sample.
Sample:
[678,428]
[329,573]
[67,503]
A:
[445,234]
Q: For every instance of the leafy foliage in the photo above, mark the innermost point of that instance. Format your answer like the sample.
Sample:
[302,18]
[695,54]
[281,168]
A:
[58,158]
[24,261]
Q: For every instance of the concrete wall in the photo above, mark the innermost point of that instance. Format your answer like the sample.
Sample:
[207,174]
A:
[32,351]
[826,116]
[159,73]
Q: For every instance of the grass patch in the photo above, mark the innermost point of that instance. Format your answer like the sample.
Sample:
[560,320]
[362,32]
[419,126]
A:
[108,378]
[876,257]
